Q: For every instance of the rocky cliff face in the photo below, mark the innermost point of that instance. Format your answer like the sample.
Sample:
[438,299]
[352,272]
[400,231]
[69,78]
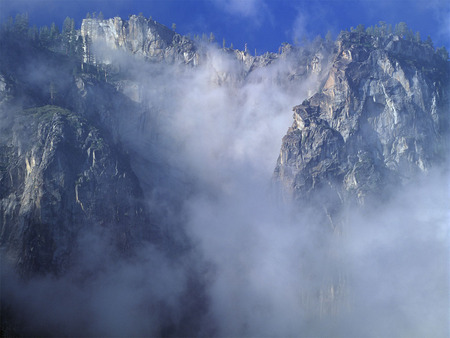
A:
[71,202]
[140,36]
[381,117]
[379,121]
[59,179]
[62,175]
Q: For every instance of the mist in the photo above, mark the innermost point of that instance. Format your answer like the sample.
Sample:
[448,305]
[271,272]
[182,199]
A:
[263,266]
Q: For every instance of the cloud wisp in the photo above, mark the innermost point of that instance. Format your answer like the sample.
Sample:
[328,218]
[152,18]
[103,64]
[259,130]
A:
[244,8]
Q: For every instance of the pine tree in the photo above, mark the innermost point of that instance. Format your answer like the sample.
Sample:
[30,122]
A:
[44,36]
[54,32]
[212,38]
[360,28]
[52,91]
[443,53]
[88,44]
[389,29]
[67,26]
[329,38]
[402,29]
[68,32]
[21,24]
[72,43]
[383,28]
[410,35]
[376,31]
[79,50]
[8,26]
[33,33]
[418,39]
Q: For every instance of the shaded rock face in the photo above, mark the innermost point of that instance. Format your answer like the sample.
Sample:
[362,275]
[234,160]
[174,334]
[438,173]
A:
[59,178]
[68,159]
[380,118]
[140,36]
[311,158]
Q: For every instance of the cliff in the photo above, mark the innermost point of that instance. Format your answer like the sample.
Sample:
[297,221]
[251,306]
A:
[140,36]
[59,180]
[380,118]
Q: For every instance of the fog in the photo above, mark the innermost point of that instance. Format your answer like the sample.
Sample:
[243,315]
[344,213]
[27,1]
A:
[261,266]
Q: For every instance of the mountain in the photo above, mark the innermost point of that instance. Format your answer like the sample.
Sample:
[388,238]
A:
[55,162]
[140,192]
[380,118]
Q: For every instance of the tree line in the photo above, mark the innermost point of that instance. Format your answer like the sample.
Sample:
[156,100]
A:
[67,41]
[402,30]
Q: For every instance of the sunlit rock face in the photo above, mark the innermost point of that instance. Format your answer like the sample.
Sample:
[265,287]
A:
[380,118]
[140,36]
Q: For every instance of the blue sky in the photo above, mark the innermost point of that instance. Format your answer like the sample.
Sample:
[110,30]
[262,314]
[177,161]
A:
[263,24]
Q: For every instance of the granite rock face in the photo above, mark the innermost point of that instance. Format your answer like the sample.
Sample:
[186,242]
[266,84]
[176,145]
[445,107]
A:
[60,178]
[380,117]
[140,36]
[378,122]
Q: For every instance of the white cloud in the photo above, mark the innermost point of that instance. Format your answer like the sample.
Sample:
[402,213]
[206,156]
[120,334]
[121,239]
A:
[299,31]
[253,9]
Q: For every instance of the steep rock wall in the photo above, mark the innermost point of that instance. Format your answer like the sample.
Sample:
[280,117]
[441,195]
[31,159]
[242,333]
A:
[60,178]
[381,117]
[138,35]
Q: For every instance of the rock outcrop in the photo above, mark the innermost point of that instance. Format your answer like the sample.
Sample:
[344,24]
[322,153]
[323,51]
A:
[140,36]
[381,117]
[59,179]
